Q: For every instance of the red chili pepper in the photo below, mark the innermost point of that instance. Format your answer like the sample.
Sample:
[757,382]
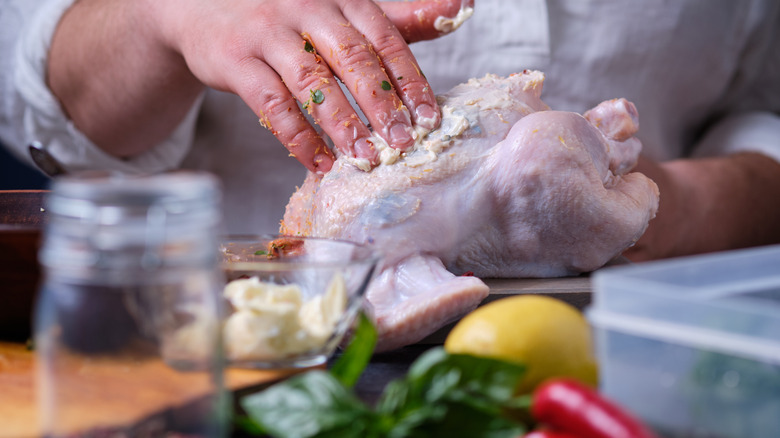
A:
[567,405]
[545,433]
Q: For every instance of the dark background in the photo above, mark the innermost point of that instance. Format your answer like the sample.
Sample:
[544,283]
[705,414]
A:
[16,175]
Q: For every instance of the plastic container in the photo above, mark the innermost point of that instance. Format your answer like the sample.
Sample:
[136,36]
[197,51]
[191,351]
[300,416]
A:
[692,345]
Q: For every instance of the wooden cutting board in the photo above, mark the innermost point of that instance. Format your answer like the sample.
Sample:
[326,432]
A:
[573,290]
[129,404]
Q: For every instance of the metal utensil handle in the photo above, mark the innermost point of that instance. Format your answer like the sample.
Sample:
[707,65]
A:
[45,161]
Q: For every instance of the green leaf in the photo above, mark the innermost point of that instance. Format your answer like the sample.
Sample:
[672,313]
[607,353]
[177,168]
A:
[348,368]
[317,96]
[308,47]
[260,252]
[307,405]
[248,425]
[394,398]
[466,378]
[458,420]
[386,86]
[445,392]
[442,395]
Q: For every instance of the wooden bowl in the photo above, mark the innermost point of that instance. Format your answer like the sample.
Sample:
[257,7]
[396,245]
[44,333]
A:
[22,217]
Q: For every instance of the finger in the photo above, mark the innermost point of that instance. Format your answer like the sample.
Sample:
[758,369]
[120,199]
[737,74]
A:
[396,65]
[353,59]
[417,20]
[311,81]
[401,68]
[262,89]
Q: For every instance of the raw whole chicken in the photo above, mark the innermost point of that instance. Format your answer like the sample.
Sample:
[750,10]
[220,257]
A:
[505,187]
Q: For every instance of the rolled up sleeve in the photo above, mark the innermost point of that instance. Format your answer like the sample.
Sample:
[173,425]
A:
[43,120]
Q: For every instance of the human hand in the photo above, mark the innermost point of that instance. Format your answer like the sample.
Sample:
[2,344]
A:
[274,52]
[666,229]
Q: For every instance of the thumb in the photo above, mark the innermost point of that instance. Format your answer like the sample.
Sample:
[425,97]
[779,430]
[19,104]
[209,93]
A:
[416,19]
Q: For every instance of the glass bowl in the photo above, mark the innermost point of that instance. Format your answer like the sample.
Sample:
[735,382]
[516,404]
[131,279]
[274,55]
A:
[290,299]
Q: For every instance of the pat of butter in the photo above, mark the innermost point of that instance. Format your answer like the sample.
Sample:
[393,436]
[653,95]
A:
[432,143]
[273,321]
[447,25]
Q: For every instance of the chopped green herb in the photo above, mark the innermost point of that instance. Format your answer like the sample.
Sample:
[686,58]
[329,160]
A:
[275,245]
[260,252]
[308,47]
[317,96]
[386,86]
[400,77]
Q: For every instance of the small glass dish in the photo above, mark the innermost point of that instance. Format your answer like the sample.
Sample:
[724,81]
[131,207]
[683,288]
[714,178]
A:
[290,299]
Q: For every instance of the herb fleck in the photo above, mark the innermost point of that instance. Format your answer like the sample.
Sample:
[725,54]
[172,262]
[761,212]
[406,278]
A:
[317,96]
[260,252]
[386,86]
[400,77]
[308,47]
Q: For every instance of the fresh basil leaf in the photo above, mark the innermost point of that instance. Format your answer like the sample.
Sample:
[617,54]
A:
[403,412]
[464,377]
[442,390]
[441,395]
[413,422]
[394,397]
[462,421]
[348,368]
[248,425]
[307,405]
[386,86]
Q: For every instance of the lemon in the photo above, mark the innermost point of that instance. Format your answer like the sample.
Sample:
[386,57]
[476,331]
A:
[550,337]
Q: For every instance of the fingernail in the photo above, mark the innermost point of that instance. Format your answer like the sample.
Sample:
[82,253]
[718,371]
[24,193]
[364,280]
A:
[427,117]
[322,162]
[366,149]
[401,136]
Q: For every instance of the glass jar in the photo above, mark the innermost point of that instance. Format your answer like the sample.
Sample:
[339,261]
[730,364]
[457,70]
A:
[127,331]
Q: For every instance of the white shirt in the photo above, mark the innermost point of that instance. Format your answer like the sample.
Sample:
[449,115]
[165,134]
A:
[704,75]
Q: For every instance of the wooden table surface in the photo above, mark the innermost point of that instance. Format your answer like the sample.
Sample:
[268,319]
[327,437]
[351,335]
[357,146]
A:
[145,389]
[17,368]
